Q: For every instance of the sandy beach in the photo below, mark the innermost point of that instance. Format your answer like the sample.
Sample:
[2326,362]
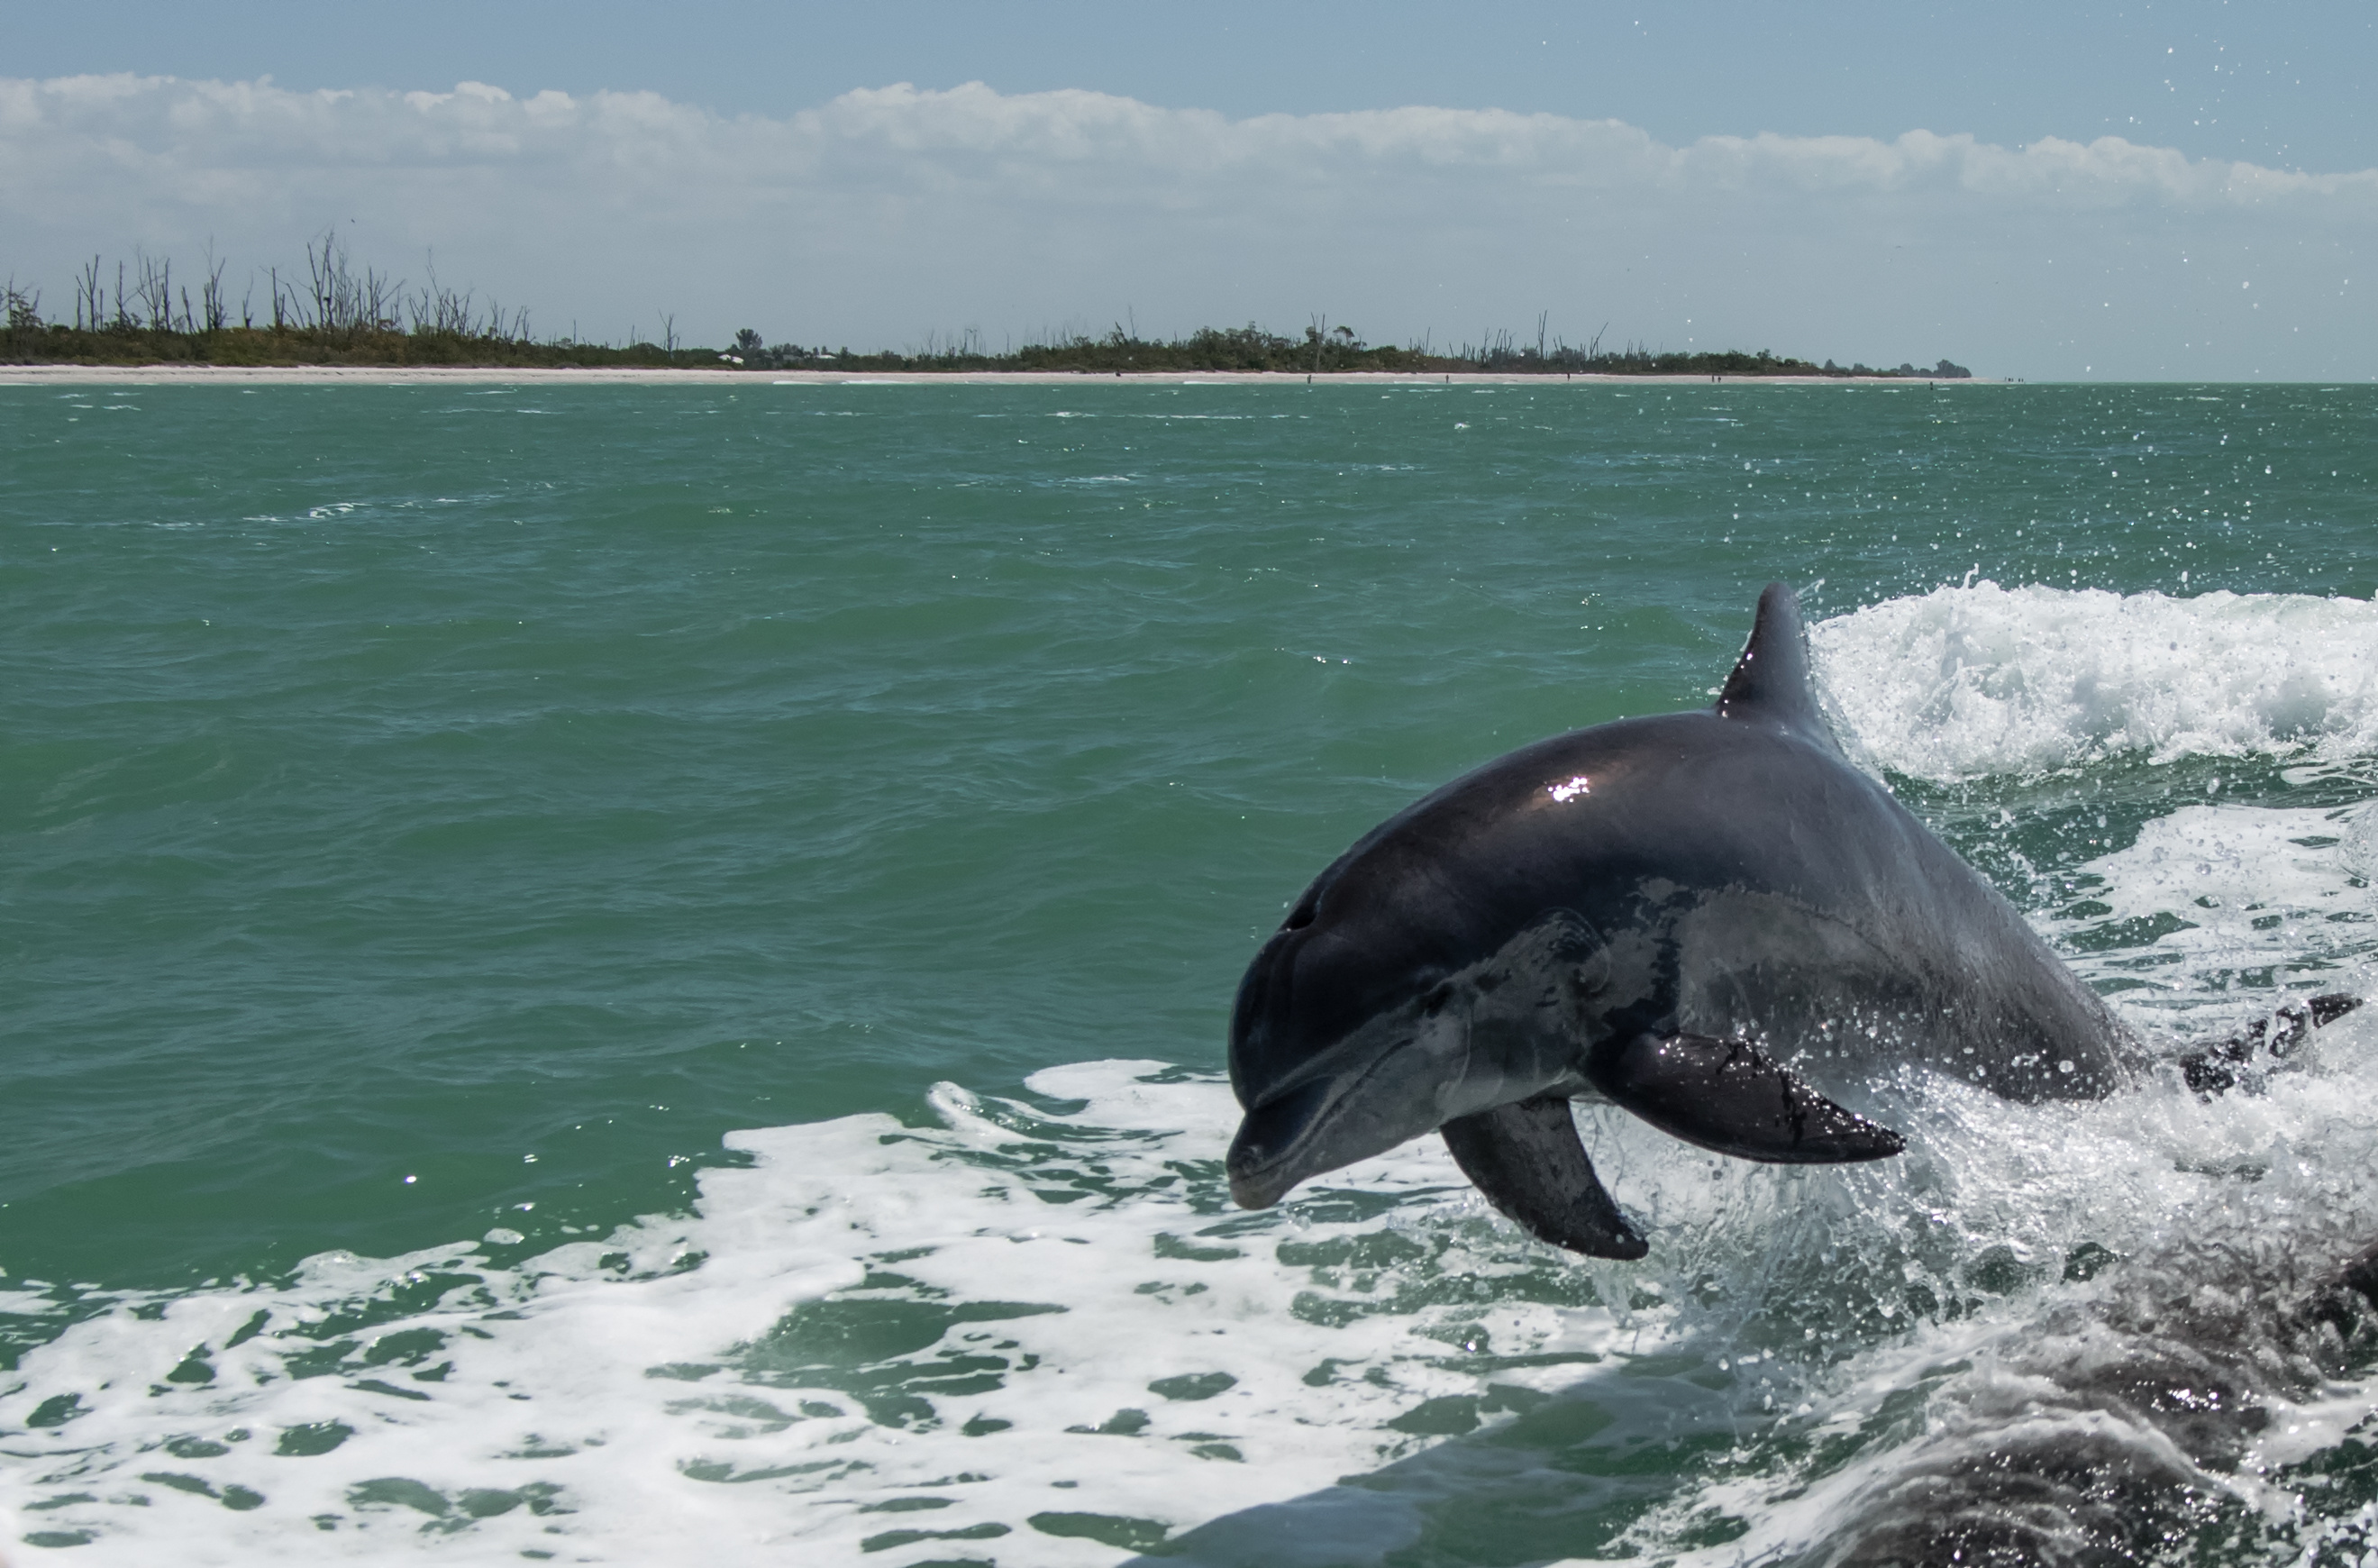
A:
[400,375]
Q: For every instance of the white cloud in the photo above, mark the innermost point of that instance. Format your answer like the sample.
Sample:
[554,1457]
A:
[892,211]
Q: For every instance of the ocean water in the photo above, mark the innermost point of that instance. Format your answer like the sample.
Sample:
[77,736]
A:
[607,975]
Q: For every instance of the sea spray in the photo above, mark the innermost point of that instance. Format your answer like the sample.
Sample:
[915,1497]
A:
[1965,682]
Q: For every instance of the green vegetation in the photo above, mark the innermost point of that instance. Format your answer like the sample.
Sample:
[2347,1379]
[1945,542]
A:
[1322,351]
[334,314]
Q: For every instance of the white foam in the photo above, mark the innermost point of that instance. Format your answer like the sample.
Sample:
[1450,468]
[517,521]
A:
[2238,1204]
[1048,1270]
[972,1338]
[1963,682]
[2227,907]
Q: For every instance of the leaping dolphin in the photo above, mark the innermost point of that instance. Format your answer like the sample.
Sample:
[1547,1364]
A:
[1698,917]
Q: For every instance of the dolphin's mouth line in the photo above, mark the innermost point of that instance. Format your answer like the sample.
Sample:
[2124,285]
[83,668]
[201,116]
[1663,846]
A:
[1331,1112]
[1331,1109]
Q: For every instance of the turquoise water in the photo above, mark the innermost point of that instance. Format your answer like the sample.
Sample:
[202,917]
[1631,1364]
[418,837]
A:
[442,811]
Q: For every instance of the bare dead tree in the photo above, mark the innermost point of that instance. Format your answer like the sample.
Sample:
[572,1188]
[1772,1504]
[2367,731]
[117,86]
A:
[87,297]
[210,295]
[155,290]
[343,300]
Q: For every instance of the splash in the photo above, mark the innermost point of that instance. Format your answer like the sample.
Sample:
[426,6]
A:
[2213,912]
[1966,683]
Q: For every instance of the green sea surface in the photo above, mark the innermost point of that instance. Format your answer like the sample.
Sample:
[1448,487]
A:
[425,808]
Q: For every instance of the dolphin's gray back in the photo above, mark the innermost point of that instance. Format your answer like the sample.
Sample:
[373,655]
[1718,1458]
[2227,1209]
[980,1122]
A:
[1738,878]
[1711,920]
[1761,887]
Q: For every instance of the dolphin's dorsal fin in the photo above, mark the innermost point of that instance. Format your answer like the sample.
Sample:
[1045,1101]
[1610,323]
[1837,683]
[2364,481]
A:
[1770,679]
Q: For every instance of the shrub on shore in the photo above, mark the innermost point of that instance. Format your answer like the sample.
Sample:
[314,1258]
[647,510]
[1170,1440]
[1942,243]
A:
[1321,351]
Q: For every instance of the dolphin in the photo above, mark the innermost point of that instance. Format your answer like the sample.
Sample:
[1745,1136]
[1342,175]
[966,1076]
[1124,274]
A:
[1711,920]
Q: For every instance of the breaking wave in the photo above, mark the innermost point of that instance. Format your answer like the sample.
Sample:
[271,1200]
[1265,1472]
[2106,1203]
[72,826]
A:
[1965,682]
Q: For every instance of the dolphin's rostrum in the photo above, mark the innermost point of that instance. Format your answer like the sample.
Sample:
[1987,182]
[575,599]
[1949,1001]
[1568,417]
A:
[1711,920]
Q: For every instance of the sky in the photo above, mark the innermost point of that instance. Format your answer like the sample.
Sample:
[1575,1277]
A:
[2051,191]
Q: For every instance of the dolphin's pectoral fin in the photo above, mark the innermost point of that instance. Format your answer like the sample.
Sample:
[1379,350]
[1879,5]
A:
[2322,1011]
[1526,1158]
[1726,1095]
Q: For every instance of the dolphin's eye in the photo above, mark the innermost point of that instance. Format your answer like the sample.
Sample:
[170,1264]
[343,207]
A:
[1433,1003]
[1301,916]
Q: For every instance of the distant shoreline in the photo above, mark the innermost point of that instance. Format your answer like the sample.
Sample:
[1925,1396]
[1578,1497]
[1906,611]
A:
[400,375]
[341,320]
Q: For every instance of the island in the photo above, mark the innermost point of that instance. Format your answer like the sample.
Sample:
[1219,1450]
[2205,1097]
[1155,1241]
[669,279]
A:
[332,313]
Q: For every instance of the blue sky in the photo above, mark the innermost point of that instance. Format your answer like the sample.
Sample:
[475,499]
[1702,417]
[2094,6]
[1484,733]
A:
[878,220]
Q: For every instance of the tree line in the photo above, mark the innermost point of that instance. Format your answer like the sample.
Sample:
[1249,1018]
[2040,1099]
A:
[333,311]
